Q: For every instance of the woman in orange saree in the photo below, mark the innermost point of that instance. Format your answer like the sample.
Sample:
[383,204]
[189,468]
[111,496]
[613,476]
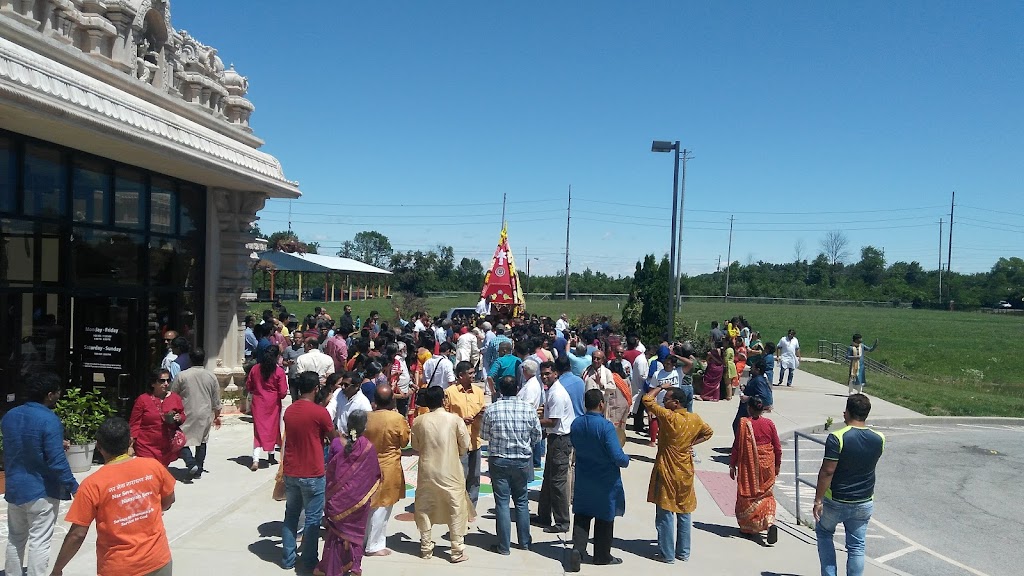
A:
[754,464]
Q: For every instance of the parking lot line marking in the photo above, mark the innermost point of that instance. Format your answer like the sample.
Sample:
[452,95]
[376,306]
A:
[928,550]
[982,427]
[896,554]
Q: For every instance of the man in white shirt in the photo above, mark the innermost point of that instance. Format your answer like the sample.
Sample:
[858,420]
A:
[553,503]
[562,324]
[349,398]
[313,360]
[787,356]
[438,371]
[532,393]
[441,331]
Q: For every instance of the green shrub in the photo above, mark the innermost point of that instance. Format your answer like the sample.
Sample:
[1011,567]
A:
[82,413]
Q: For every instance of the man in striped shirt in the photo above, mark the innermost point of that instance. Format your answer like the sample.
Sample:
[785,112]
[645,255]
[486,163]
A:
[511,428]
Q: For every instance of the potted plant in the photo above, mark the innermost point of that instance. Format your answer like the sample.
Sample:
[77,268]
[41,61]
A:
[82,413]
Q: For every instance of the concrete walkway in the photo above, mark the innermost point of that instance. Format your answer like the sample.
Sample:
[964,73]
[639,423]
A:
[227,522]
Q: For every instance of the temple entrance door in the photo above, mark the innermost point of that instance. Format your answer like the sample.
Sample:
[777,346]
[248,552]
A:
[105,347]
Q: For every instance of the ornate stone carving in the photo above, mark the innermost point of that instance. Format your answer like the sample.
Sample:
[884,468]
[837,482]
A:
[76,91]
[235,211]
[135,37]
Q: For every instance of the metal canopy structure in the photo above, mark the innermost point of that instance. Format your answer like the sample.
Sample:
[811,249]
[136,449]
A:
[360,280]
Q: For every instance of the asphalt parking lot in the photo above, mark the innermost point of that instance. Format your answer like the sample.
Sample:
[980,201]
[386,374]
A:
[948,499]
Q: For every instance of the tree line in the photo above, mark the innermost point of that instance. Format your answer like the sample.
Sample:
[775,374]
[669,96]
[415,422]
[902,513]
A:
[827,276]
[428,269]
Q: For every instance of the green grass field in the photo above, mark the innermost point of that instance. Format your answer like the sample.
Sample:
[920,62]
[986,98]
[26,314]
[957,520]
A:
[959,363]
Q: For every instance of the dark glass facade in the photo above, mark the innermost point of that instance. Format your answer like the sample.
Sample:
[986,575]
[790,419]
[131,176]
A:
[97,260]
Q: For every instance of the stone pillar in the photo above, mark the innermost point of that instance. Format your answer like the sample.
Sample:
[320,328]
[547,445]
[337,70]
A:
[228,272]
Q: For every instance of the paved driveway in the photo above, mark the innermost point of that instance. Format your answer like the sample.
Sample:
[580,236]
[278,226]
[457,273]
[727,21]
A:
[948,499]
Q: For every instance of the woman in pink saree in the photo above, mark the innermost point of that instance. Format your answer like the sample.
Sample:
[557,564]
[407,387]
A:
[353,476]
[711,385]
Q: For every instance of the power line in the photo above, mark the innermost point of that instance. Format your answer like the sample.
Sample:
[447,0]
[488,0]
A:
[992,211]
[1004,224]
[990,227]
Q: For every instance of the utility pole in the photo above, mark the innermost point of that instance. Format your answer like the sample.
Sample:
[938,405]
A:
[940,261]
[526,250]
[504,196]
[679,242]
[728,263]
[718,267]
[289,218]
[673,259]
[949,257]
[568,218]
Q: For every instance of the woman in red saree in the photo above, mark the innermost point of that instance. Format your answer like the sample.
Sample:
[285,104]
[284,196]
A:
[711,386]
[353,476]
[754,464]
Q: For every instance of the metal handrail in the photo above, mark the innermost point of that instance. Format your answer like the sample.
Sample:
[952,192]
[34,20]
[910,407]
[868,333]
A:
[837,353]
[796,467]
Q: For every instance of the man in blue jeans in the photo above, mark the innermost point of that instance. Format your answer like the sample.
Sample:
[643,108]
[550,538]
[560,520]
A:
[671,488]
[511,428]
[307,426]
[38,474]
[846,487]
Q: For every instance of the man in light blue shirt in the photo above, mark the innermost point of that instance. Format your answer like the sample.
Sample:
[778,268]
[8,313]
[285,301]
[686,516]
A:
[572,383]
[250,337]
[579,360]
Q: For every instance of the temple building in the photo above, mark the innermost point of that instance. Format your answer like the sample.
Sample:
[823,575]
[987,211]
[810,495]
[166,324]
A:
[129,177]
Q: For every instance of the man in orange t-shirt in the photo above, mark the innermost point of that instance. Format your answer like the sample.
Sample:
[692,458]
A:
[126,497]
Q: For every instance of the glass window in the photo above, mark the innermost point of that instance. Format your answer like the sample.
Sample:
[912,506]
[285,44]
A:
[8,175]
[34,339]
[170,310]
[163,206]
[17,251]
[49,252]
[90,180]
[193,208]
[164,262]
[45,181]
[129,198]
[107,257]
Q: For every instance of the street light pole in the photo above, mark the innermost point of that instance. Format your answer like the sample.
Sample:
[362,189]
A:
[664,146]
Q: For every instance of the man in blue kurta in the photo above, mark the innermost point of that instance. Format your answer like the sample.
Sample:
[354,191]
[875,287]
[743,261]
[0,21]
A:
[598,494]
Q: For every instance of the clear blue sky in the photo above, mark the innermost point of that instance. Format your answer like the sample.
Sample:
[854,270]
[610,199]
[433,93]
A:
[413,118]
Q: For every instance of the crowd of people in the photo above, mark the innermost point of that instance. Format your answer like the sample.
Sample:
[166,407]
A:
[531,388]
[527,388]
